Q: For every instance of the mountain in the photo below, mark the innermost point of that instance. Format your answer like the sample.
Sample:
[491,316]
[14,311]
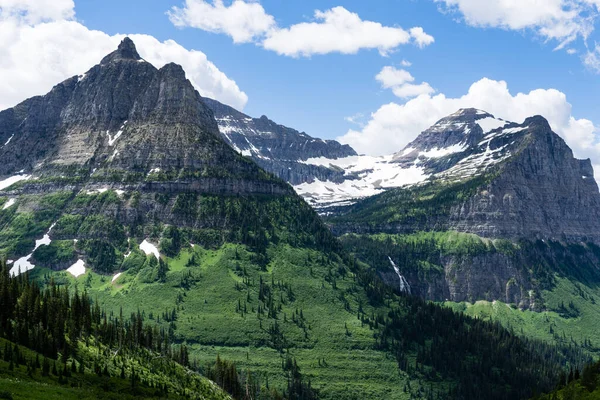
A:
[118,184]
[276,148]
[513,181]
[506,216]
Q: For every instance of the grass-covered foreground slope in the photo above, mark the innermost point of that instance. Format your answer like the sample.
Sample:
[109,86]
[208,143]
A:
[543,290]
[54,344]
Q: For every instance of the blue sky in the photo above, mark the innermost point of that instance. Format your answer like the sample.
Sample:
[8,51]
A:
[538,58]
[315,94]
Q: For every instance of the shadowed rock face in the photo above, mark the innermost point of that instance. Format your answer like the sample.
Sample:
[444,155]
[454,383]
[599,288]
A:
[124,117]
[277,148]
[542,192]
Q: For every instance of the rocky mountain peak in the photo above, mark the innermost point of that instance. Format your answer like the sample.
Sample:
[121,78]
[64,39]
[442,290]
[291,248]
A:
[125,51]
[452,134]
[539,122]
[123,117]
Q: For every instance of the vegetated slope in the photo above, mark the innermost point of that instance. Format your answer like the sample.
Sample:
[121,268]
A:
[277,148]
[583,385]
[57,345]
[134,197]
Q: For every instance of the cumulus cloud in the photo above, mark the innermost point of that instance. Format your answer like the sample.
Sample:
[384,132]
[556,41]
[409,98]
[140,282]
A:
[336,30]
[421,38]
[394,125]
[35,11]
[559,20]
[36,55]
[400,81]
[241,20]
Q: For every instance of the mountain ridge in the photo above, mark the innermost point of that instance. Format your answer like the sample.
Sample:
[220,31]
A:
[277,148]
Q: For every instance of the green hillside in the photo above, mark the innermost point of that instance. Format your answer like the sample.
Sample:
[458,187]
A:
[576,385]
[56,345]
[565,305]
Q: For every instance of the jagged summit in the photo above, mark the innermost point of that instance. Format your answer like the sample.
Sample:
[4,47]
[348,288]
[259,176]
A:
[451,134]
[470,111]
[125,51]
[125,118]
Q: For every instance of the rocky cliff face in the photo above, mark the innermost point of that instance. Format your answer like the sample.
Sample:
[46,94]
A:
[277,148]
[519,181]
[124,116]
[497,180]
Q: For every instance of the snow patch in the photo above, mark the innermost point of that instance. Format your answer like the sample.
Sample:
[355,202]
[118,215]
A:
[114,278]
[9,203]
[149,248]
[442,152]
[97,191]
[23,264]
[489,124]
[77,269]
[12,180]
[111,139]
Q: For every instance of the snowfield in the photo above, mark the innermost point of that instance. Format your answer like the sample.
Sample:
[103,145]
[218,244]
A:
[12,180]
[367,175]
[149,248]
[77,269]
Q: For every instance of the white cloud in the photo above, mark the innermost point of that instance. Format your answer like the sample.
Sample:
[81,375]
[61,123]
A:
[355,119]
[592,59]
[390,77]
[243,21]
[560,20]
[405,63]
[421,38]
[336,30]
[409,90]
[35,11]
[393,125]
[400,81]
[36,56]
